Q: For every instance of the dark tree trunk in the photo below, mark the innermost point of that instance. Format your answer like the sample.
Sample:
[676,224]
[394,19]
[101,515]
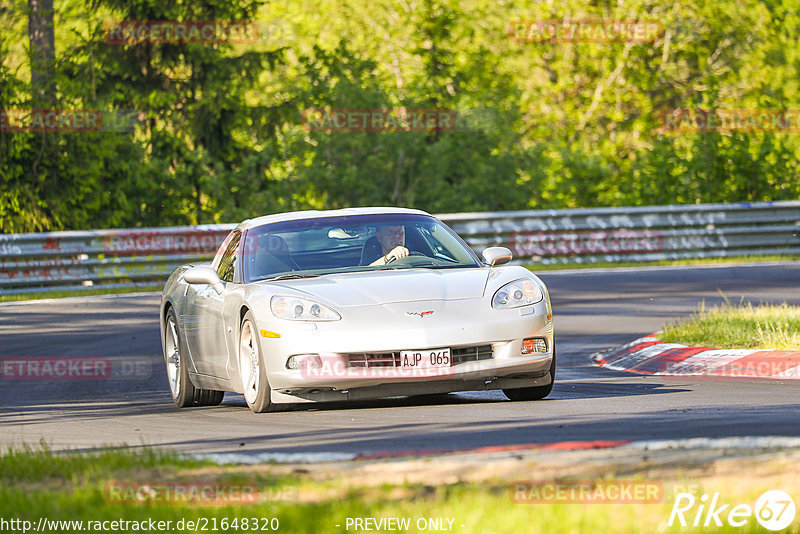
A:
[42,43]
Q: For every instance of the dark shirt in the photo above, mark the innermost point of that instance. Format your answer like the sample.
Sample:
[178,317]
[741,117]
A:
[371,251]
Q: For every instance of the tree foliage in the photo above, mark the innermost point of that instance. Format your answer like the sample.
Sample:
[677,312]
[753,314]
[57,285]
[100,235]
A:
[219,132]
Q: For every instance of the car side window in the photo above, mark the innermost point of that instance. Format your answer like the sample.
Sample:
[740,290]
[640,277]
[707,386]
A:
[229,260]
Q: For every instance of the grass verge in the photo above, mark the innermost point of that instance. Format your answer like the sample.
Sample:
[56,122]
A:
[76,293]
[660,263]
[729,326]
[37,484]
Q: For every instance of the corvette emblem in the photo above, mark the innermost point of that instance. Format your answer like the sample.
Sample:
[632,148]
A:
[420,314]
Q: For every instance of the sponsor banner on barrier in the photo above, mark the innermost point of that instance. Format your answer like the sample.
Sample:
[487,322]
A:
[538,243]
[45,268]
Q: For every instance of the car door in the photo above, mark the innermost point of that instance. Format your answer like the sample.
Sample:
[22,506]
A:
[206,337]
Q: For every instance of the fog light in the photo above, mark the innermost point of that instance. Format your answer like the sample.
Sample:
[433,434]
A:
[304,361]
[534,345]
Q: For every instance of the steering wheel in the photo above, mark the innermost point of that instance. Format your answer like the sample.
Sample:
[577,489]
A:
[410,254]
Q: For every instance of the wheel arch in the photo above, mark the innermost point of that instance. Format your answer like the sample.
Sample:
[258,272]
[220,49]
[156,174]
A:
[168,305]
[243,309]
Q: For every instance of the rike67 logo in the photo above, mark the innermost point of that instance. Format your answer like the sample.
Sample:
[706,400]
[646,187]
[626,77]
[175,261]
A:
[774,510]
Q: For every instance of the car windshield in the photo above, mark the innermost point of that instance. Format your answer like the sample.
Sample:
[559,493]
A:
[312,247]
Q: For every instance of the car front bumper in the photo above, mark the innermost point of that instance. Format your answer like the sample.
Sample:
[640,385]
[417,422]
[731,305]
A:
[390,328]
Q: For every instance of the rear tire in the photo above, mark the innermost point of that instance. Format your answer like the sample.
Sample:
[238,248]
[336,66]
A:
[537,392]
[209,397]
[183,392]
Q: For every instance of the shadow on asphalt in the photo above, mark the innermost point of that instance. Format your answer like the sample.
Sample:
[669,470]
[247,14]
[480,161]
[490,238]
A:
[158,401]
[538,428]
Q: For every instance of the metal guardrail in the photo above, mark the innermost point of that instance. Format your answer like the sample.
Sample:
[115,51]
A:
[637,234]
[109,258]
[145,257]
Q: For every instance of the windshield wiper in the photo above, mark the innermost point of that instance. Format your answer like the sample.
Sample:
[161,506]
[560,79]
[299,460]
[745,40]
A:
[291,276]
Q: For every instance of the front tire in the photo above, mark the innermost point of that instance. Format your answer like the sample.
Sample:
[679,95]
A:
[183,392]
[253,369]
[537,392]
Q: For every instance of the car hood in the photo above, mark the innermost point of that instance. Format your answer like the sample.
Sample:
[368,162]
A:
[385,287]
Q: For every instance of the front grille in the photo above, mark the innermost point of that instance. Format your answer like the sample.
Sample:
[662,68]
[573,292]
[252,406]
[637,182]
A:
[458,355]
[471,354]
[373,359]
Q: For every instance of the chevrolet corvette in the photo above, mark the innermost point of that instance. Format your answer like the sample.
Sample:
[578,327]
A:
[358,303]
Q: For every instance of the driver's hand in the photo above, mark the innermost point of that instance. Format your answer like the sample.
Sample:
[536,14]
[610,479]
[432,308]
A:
[396,253]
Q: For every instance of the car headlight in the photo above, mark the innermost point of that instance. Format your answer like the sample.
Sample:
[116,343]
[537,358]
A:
[298,309]
[516,294]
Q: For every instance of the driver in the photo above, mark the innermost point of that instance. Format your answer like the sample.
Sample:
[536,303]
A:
[392,240]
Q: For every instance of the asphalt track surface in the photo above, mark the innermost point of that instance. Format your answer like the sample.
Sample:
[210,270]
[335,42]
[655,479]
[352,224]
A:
[594,310]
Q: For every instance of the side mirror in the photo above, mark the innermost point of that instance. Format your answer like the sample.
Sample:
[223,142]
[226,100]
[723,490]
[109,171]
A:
[204,275]
[495,256]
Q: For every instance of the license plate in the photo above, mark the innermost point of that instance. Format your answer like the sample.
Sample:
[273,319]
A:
[425,359]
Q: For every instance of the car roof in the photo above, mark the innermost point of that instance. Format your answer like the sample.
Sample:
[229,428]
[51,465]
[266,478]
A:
[318,214]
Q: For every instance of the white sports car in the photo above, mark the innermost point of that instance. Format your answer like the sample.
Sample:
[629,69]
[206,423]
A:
[352,304]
